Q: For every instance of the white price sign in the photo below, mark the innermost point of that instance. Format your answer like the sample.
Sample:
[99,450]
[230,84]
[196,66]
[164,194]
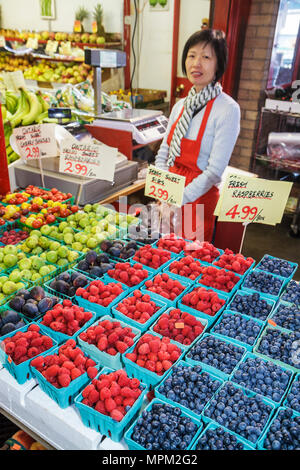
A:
[37,141]
[88,160]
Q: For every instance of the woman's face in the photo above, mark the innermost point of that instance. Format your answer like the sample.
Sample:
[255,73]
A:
[201,65]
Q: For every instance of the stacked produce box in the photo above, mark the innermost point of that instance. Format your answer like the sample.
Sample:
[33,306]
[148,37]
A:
[200,346]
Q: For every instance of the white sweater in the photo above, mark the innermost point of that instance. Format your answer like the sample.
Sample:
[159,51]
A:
[219,139]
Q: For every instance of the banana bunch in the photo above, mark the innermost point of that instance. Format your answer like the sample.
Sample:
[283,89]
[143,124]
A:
[11,102]
[12,156]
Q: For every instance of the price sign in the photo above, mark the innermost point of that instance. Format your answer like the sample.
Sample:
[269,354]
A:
[37,141]
[247,199]
[32,43]
[51,47]
[87,160]
[164,186]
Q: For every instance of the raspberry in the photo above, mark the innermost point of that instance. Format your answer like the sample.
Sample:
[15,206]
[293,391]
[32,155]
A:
[92,372]
[110,404]
[93,396]
[52,371]
[105,393]
[75,373]
[116,415]
[121,346]
[87,390]
[64,380]
[100,407]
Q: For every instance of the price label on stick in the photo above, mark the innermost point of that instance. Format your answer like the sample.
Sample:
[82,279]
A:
[247,199]
[37,141]
[88,160]
[164,186]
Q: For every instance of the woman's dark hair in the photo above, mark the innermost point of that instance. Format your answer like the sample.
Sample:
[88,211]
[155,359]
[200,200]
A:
[218,42]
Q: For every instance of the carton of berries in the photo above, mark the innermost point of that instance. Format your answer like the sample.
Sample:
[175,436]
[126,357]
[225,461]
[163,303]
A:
[139,310]
[154,258]
[271,285]
[166,287]
[151,357]
[190,387]
[64,372]
[203,302]
[132,275]
[219,279]
[180,326]
[204,251]
[66,320]
[277,266]
[185,266]
[107,340]
[19,347]
[235,262]
[101,295]
[110,403]
[171,242]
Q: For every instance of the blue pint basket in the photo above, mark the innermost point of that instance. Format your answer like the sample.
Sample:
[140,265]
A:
[106,425]
[287,401]
[293,266]
[133,445]
[256,272]
[282,409]
[271,304]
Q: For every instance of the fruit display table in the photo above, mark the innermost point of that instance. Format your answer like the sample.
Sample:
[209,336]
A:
[126,333]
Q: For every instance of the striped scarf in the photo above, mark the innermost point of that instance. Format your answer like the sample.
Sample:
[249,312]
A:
[192,103]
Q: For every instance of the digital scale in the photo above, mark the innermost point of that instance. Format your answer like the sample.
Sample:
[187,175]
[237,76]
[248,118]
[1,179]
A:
[146,125]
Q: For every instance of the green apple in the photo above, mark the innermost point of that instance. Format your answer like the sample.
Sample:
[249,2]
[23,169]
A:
[46,229]
[45,270]
[35,233]
[1,256]
[15,276]
[62,252]
[68,238]
[62,226]
[32,242]
[83,238]
[44,242]
[72,256]
[92,243]
[52,256]
[26,274]
[83,222]
[77,246]
[68,230]
[10,250]
[36,277]
[3,279]
[62,262]
[37,263]
[9,287]
[37,251]
[10,260]
[54,246]
[24,263]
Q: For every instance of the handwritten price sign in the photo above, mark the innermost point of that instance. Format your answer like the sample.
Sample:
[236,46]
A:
[247,199]
[87,160]
[164,186]
[37,141]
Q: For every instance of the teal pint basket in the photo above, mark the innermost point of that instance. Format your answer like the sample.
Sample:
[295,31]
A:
[247,394]
[100,310]
[212,427]
[143,327]
[249,356]
[248,346]
[294,266]
[161,396]
[286,401]
[21,372]
[64,396]
[211,319]
[170,303]
[105,424]
[133,445]
[261,442]
[209,366]
[243,293]
[245,284]
[151,379]
[186,347]
[105,359]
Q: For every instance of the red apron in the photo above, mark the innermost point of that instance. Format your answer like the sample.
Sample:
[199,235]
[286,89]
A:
[186,165]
